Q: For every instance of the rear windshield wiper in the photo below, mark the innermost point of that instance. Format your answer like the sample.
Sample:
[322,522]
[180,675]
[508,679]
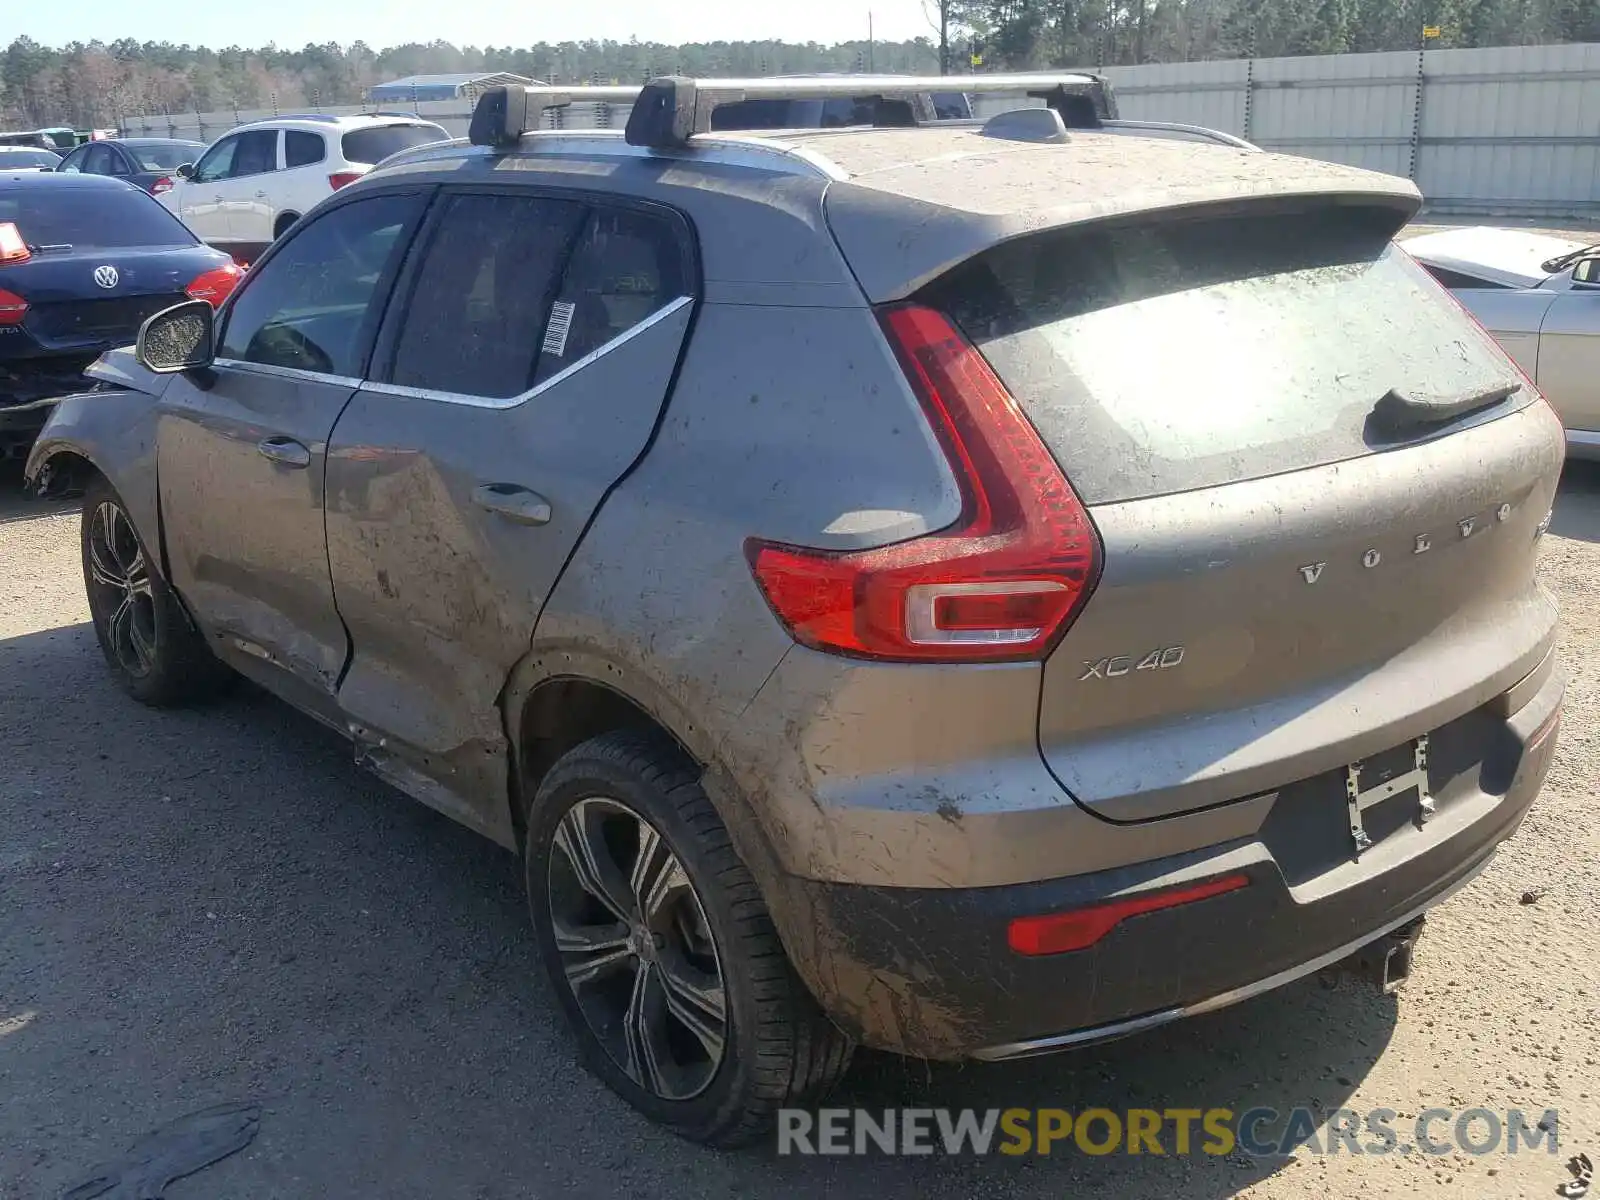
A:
[1398,409]
[1562,261]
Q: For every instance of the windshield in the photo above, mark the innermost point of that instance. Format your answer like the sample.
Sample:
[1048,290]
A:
[1165,355]
[164,156]
[372,146]
[109,217]
[13,158]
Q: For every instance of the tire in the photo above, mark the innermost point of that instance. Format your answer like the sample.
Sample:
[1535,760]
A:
[282,224]
[712,936]
[154,652]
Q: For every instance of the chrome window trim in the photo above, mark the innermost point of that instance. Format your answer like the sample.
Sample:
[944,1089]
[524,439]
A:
[600,351]
[294,373]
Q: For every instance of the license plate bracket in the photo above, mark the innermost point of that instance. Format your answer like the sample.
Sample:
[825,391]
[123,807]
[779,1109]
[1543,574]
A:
[1359,799]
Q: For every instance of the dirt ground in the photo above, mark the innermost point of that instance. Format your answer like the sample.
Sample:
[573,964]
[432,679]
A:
[215,906]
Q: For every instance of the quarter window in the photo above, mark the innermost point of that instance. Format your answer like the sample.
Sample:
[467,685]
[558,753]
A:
[313,305]
[476,317]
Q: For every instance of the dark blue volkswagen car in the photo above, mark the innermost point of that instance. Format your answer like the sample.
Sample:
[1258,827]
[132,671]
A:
[84,260]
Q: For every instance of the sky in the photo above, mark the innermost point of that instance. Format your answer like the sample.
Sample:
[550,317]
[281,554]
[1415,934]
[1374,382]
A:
[382,23]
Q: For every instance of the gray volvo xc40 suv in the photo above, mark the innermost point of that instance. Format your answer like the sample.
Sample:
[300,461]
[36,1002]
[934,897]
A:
[968,591]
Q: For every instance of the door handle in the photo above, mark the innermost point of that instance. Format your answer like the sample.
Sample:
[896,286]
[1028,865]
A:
[286,452]
[513,502]
[261,195]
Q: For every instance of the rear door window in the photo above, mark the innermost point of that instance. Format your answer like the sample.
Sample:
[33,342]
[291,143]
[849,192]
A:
[302,148]
[1162,356]
[626,266]
[371,146]
[476,316]
[257,153]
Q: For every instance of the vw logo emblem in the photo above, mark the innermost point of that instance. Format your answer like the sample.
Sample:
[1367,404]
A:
[106,276]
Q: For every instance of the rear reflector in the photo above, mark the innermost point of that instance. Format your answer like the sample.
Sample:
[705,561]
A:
[1001,584]
[13,308]
[13,249]
[216,285]
[1059,933]
[343,179]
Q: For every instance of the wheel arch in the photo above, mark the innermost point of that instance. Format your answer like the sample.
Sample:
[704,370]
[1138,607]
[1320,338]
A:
[113,434]
[283,222]
[557,698]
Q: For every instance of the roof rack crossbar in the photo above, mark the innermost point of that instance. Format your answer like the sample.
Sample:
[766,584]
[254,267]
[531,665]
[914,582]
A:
[673,109]
[667,112]
[504,113]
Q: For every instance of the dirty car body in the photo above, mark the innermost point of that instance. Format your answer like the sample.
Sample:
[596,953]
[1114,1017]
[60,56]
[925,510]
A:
[1054,669]
[1547,319]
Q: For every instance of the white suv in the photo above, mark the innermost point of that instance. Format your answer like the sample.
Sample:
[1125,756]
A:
[253,183]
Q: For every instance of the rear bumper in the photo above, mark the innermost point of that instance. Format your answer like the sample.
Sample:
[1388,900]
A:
[929,972]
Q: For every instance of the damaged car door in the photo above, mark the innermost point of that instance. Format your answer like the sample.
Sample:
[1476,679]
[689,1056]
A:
[521,378]
[242,445]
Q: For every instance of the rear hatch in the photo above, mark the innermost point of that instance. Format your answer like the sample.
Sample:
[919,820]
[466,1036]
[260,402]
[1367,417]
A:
[1295,576]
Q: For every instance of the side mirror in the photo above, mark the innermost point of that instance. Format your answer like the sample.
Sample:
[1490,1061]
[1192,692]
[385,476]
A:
[185,171]
[179,338]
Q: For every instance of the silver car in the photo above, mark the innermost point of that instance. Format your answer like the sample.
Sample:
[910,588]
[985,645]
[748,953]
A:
[970,590]
[1540,297]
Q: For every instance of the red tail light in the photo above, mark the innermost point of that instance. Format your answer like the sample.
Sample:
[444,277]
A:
[216,285]
[13,249]
[1059,933]
[13,308]
[1001,584]
[343,178]
[164,184]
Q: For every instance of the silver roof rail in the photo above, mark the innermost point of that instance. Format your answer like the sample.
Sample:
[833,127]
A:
[1198,133]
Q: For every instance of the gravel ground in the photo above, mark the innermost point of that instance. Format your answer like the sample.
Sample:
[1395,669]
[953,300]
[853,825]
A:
[216,906]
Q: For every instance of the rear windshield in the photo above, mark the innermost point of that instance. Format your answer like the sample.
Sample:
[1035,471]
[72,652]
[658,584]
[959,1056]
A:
[111,218]
[1161,357]
[372,146]
[164,156]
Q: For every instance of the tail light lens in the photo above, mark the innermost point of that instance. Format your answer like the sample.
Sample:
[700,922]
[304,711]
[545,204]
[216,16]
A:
[13,308]
[161,186]
[343,179]
[1002,584]
[1059,933]
[13,249]
[216,285]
